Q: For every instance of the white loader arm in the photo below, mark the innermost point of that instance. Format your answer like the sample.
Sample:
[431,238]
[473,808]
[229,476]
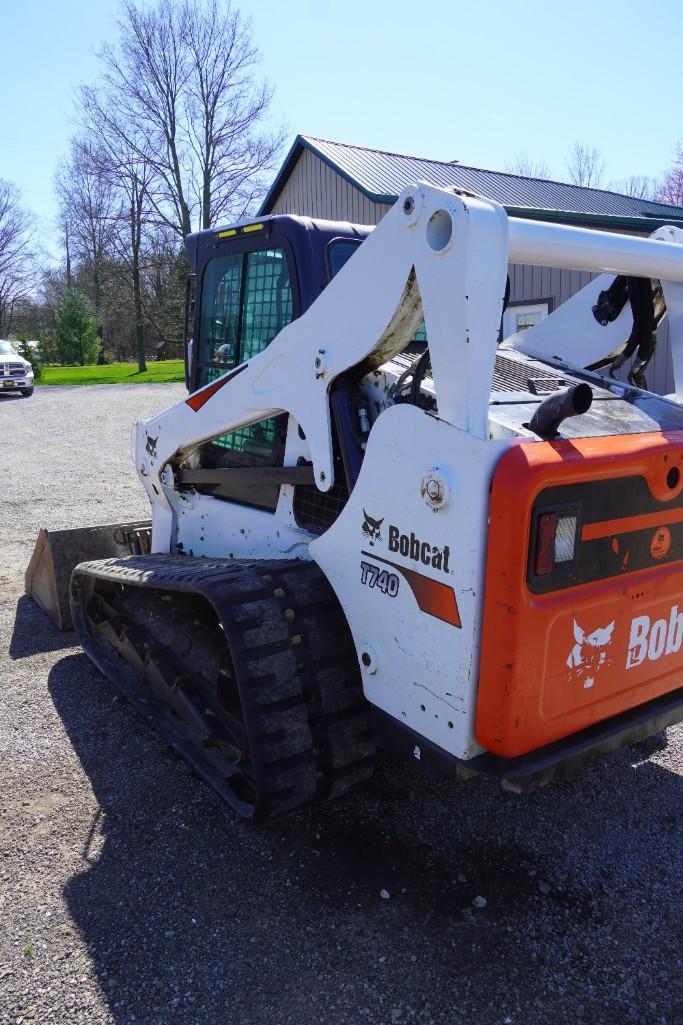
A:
[571,333]
[435,255]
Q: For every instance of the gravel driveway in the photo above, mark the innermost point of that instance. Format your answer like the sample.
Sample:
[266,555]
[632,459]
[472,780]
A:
[127,895]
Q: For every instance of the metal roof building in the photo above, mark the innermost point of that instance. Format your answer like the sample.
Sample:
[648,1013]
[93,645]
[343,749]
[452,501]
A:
[380,176]
[337,181]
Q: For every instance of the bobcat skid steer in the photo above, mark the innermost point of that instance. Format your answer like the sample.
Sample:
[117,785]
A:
[467,550]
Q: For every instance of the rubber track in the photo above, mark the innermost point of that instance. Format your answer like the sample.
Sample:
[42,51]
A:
[152,622]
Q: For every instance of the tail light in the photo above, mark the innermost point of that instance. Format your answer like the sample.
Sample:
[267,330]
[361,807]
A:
[545,544]
[565,538]
[554,540]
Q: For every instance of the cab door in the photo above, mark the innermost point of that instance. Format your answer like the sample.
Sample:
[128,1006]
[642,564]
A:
[246,298]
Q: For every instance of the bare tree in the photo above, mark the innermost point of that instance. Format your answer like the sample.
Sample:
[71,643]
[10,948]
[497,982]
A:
[164,272]
[638,186]
[18,267]
[119,154]
[183,78]
[88,209]
[130,267]
[585,165]
[528,166]
[173,137]
[671,188]
[144,74]
[225,105]
[65,232]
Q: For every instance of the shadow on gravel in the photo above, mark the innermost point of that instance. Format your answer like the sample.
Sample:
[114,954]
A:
[191,916]
[34,632]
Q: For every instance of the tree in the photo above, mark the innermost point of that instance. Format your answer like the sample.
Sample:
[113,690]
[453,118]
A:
[77,336]
[671,189]
[88,209]
[18,265]
[225,106]
[585,165]
[30,354]
[122,157]
[528,166]
[181,84]
[171,138]
[164,275]
[637,185]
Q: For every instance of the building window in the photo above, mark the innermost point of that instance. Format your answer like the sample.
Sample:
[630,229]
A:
[520,316]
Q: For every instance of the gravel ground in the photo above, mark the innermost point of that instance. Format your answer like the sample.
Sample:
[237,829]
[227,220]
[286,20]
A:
[127,895]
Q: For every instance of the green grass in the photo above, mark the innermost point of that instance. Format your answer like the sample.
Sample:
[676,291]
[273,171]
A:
[115,373]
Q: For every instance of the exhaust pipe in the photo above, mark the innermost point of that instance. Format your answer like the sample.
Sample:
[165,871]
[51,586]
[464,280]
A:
[558,407]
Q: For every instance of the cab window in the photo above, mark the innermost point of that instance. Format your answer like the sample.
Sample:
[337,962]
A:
[220,316]
[246,300]
[339,251]
[267,303]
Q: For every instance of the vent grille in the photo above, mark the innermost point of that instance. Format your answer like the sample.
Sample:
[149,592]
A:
[513,375]
[11,370]
[317,510]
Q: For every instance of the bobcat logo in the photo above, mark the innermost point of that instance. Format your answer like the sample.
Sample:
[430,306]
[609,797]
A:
[589,653]
[371,527]
[151,445]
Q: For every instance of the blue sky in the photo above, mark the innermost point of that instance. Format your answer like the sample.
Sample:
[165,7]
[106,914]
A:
[476,82]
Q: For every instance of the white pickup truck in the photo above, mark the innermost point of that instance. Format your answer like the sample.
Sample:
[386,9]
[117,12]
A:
[16,373]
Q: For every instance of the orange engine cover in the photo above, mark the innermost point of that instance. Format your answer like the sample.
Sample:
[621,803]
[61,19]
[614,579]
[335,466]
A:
[599,633]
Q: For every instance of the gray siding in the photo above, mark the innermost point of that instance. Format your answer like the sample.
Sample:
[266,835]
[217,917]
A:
[315,190]
[530,284]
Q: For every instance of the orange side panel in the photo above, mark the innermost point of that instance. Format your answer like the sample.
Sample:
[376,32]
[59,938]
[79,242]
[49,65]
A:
[610,637]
